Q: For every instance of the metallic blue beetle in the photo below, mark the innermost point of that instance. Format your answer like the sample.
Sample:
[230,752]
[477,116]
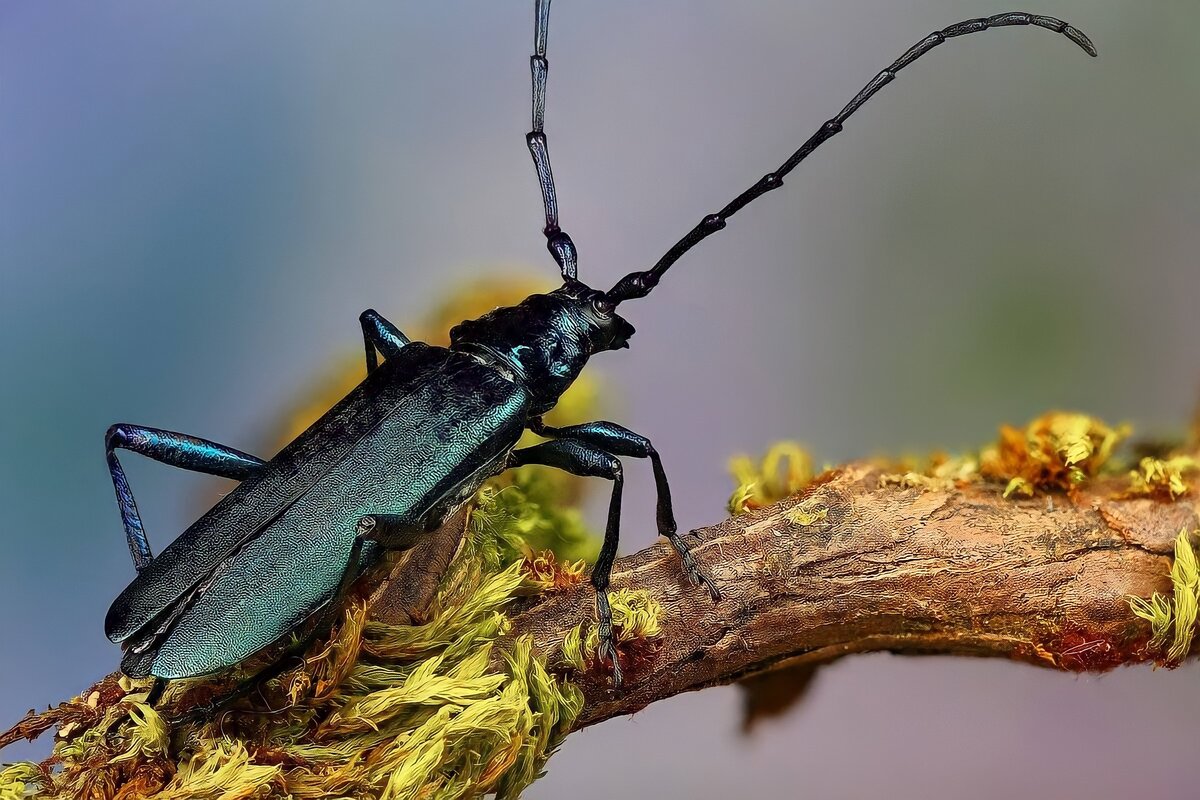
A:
[410,444]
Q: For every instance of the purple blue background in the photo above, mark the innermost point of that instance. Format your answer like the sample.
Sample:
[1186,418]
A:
[196,200]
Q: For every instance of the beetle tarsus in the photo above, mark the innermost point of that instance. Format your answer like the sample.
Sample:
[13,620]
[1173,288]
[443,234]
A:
[692,569]
[607,649]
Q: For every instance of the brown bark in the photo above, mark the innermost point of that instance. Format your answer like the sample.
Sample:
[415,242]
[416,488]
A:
[961,571]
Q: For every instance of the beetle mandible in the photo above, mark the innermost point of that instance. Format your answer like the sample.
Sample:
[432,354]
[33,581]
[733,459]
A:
[413,442]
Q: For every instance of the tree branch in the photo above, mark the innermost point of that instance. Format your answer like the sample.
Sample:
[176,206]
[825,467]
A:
[854,563]
[909,570]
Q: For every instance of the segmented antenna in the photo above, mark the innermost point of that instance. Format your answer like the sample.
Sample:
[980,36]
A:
[639,284]
[557,241]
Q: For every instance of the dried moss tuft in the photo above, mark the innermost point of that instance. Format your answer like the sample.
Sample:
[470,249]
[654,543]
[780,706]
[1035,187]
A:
[1056,452]
[545,572]
[1165,479]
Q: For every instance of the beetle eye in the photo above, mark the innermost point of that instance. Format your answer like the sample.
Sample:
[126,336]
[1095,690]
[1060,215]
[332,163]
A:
[602,306]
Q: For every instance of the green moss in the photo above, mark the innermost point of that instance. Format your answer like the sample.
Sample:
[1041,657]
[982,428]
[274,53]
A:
[530,518]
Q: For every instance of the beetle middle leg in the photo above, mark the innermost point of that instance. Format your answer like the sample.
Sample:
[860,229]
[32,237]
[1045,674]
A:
[178,450]
[620,441]
[380,336]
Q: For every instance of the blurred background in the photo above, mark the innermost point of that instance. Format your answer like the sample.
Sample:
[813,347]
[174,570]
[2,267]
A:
[197,200]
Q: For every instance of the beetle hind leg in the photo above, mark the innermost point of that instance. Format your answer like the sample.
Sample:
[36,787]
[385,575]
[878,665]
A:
[167,447]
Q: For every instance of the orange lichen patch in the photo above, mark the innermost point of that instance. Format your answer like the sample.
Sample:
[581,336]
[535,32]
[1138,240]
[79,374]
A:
[1164,479]
[1056,452]
[544,572]
[785,469]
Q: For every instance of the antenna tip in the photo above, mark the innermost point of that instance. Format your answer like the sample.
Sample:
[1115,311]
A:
[1080,38]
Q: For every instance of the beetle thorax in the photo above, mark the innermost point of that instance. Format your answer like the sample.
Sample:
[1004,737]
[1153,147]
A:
[546,340]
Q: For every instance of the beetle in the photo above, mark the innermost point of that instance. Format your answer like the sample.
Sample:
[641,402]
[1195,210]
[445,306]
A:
[413,442]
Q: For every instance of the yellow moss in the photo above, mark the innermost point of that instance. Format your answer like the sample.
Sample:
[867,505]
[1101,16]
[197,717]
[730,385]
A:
[572,649]
[1185,577]
[1158,611]
[147,734]
[1174,617]
[426,711]
[941,473]
[1055,452]
[1163,478]
[18,781]
[636,615]
[742,499]
[786,468]
[223,770]
[637,619]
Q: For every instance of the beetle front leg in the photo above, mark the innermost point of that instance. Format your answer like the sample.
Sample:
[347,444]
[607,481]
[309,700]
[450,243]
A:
[580,458]
[176,449]
[620,441]
[380,335]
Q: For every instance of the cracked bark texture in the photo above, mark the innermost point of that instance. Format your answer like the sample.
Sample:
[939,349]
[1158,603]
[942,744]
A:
[961,571]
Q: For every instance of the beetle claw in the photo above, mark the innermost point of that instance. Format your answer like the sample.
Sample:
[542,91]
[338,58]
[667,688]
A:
[607,648]
[692,569]
[608,652]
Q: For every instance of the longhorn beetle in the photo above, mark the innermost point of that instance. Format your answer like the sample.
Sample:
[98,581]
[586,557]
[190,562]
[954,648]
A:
[411,443]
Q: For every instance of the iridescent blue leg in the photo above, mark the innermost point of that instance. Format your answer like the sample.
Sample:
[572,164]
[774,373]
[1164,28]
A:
[176,449]
[586,460]
[620,441]
[380,335]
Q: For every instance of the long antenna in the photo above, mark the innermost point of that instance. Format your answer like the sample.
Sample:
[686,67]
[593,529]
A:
[639,284]
[557,241]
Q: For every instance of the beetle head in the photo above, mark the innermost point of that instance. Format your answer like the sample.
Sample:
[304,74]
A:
[547,338]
